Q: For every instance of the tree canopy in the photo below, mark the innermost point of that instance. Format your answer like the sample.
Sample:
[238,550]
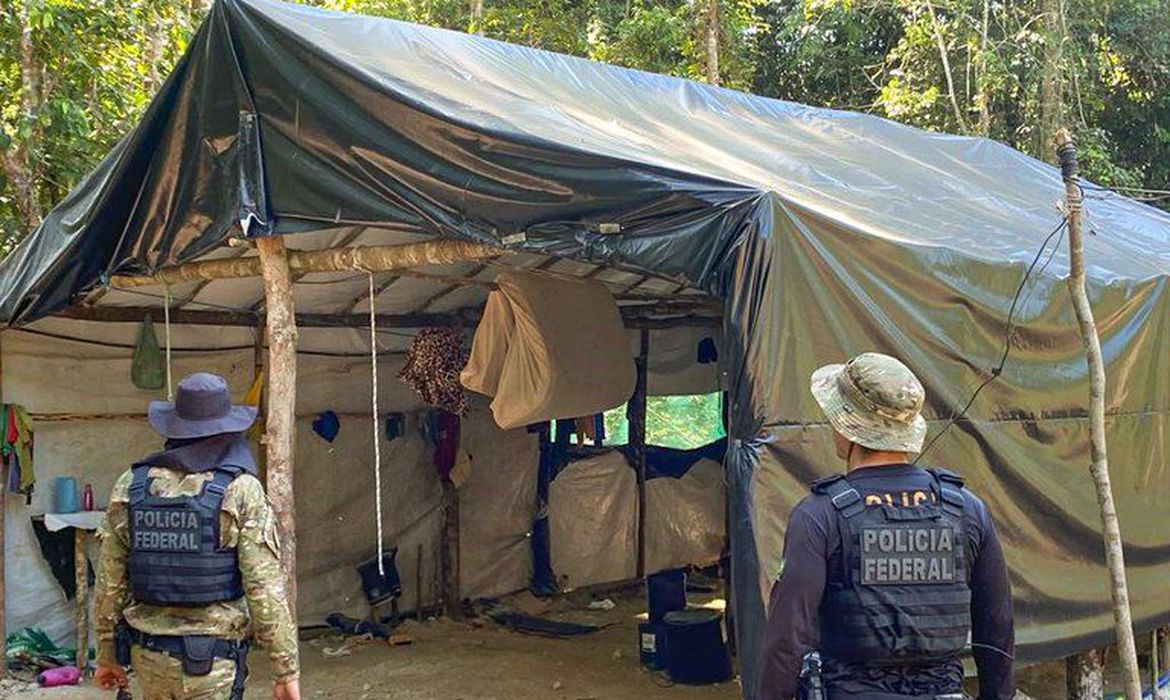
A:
[75,75]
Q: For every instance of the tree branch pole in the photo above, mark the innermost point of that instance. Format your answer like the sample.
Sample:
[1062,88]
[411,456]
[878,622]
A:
[383,258]
[636,418]
[1099,466]
[280,428]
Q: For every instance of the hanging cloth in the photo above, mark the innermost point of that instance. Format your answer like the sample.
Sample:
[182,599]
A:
[17,449]
[433,363]
[548,348]
[147,369]
[253,398]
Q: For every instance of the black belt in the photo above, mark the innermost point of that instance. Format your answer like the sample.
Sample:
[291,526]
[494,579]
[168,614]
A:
[198,653]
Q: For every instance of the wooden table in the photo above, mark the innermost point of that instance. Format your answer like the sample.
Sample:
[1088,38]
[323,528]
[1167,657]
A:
[83,523]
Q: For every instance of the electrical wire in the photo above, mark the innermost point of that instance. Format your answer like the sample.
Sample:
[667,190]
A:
[1009,329]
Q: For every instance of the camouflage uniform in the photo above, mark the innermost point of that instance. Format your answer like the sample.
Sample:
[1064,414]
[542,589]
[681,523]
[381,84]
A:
[247,524]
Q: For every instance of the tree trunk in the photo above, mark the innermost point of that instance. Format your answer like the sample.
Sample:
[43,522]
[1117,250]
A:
[476,17]
[981,73]
[1099,466]
[713,42]
[1051,115]
[944,56]
[19,165]
[1085,675]
[280,430]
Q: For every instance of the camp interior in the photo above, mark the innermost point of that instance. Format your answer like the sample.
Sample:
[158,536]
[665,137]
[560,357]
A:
[461,531]
[458,275]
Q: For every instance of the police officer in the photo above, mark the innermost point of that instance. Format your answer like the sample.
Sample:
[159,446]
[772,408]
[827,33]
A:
[190,560]
[890,571]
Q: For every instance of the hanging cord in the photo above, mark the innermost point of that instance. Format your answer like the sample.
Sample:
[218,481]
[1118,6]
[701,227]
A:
[1007,343]
[374,414]
[167,333]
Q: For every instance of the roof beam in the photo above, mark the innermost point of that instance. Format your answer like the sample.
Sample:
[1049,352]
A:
[344,259]
[662,315]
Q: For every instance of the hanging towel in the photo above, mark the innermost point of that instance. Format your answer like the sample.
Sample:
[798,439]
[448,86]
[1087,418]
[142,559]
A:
[147,368]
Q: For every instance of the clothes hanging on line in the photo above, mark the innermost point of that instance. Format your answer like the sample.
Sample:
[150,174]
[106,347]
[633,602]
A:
[17,449]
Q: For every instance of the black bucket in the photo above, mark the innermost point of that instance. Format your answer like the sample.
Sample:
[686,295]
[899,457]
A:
[667,591]
[696,650]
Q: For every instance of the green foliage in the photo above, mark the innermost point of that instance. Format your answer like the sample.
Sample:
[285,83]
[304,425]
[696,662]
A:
[681,422]
[94,65]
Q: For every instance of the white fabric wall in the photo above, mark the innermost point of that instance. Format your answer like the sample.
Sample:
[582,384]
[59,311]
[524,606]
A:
[334,482]
[592,509]
[593,520]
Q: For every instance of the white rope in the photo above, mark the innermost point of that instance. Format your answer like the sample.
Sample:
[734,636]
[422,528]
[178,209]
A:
[374,413]
[167,333]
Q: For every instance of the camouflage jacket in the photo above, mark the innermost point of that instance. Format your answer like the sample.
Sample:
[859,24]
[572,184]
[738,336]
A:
[248,524]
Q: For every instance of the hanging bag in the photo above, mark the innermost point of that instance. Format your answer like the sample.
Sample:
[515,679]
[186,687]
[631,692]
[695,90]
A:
[147,369]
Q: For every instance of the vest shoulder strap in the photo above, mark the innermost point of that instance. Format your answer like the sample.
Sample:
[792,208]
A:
[215,489]
[139,483]
[845,498]
[950,490]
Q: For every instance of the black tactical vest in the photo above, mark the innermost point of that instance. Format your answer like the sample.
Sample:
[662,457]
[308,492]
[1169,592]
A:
[904,597]
[175,557]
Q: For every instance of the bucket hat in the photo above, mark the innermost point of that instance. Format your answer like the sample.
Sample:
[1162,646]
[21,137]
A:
[202,407]
[873,400]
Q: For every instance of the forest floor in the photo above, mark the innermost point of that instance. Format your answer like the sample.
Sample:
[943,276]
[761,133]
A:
[479,660]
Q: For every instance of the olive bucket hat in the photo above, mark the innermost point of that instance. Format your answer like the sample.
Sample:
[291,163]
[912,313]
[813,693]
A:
[873,400]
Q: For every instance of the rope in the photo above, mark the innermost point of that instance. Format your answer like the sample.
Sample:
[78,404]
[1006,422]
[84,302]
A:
[167,332]
[374,416]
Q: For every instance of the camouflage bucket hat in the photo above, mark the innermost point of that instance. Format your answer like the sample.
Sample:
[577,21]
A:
[873,400]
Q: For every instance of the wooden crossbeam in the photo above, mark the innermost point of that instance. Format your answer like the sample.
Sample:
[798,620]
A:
[372,258]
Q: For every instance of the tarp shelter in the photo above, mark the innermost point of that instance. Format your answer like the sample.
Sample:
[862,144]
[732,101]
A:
[823,233]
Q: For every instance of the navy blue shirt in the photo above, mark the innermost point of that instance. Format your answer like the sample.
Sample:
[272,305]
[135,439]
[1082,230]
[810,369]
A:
[812,556]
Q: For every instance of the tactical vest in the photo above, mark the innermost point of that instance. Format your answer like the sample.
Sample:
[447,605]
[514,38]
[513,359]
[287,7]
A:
[904,597]
[175,554]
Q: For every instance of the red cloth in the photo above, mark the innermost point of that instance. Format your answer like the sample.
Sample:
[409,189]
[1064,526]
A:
[446,444]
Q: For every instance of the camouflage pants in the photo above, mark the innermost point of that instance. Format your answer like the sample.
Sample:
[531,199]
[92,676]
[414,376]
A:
[161,677]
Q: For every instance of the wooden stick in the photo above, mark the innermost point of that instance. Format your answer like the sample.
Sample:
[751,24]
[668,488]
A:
[1099,466]
[636,417]
[81,576]
[381,258]
[1085,675]
[280,430]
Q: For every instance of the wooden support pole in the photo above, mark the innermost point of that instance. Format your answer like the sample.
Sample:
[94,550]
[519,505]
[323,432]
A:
[439,251]
[636,417]
[1155,662]
[1163,649]
[280,428]
[1099,465]
[81,577]
[1085,675]
[452,606]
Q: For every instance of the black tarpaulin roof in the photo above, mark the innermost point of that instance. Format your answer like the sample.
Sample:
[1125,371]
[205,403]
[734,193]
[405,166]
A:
[826,233]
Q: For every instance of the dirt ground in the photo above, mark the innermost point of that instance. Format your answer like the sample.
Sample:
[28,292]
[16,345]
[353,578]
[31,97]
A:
[483,661]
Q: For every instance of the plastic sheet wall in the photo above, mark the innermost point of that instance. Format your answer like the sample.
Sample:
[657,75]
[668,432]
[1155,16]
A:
[335,516]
